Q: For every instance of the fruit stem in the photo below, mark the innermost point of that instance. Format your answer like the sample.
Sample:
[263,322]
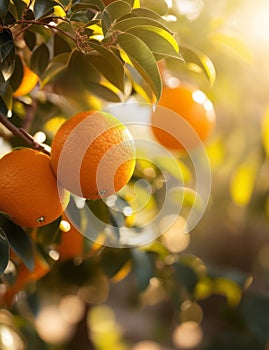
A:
[23,134]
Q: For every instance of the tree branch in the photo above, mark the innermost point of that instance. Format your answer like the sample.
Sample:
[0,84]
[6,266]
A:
[23,134]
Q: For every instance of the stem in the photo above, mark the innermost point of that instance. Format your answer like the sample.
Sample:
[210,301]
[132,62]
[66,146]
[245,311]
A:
[26,21]
[20,132]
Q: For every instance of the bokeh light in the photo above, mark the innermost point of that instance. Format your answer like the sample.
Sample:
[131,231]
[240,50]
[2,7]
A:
[187,335]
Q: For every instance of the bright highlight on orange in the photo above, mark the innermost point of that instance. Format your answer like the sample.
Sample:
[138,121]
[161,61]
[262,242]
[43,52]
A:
[187,119]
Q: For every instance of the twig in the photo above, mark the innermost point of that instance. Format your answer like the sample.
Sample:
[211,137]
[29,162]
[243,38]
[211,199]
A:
[23,134]
[31,22]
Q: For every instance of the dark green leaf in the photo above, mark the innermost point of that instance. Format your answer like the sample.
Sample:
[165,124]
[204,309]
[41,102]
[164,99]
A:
[195,56]
[4,251]
[88,4]
[186,276]
[109,65]
[3,107]
[106,22]
[19,241]
[99,209]
[119,258]
[60,45]
[20,7]
[159,41]
[143,268]
[117,9]
[30,39]
[43,7]
[255,309]
[133,22]
[6,44]
[12,14]
[40,59]
[48,233]
[64,3]
[143,60]
[4,5]
[57,65]
[103,92]
[43,33]
[7,96]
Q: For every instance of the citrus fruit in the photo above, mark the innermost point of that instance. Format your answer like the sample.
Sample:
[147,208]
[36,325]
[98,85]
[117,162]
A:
[25,276]
[28,82]
[71,243]
[187,119]
[93,155]
[28,188]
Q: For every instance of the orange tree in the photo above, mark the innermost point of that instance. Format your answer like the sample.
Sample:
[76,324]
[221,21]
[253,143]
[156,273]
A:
[60,58]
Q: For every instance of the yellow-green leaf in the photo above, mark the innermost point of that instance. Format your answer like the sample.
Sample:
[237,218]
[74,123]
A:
[157,39]
[243,181]
[143,60]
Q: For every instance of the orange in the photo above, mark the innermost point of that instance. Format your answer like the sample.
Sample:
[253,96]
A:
[71,244]
[93,155]
[28,188]
[28,82]
[24,276]
[187,119]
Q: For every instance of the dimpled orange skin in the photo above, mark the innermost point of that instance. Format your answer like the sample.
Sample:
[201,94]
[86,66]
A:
[200,116]
[28,188]
[98,135]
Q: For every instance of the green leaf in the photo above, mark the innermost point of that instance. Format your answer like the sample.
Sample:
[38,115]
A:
[142,267]
[159,41]
[186,276]
[4,251]
[4,5]
[114,11]
[133,22]
[6,44]
[30,39]
[88,4]
[143,60]
[198,58]
[103,92]
[57,65]
[108,64]
[64,3]
[40,59]
[60,45]
[159,6]
[147,13]
[48,233]
[19,241]
[7,96]
[20,7]
[17,74]
[174,167]
[43,8]
[3,107]
[255,309]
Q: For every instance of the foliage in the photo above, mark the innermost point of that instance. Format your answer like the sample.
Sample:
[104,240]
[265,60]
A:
[89,55]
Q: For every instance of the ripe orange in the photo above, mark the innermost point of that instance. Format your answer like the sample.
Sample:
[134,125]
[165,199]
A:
[24,276]
[71,244]
[28,82]
[28,188]
[184,104]
[93,155]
